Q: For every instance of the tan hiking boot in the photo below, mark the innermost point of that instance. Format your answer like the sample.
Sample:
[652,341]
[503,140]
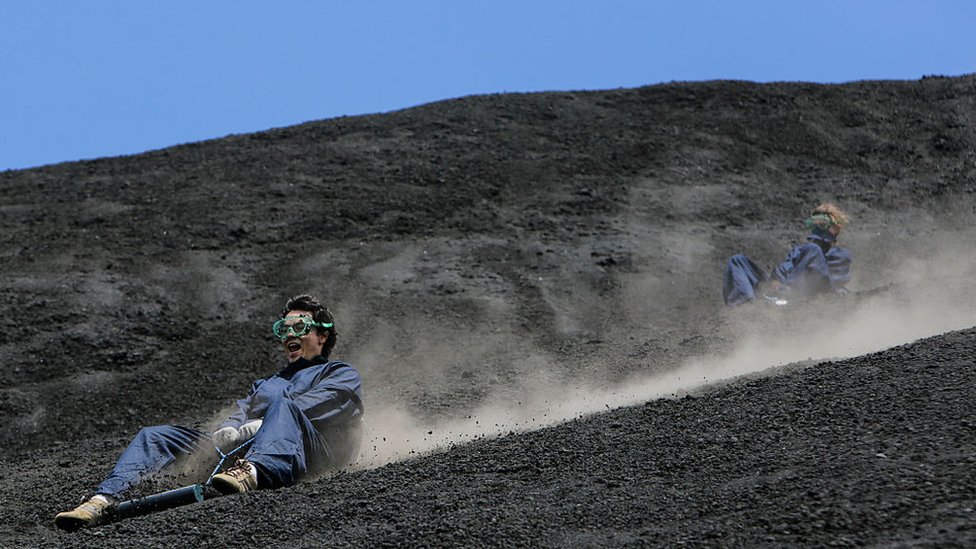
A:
[88,514]
[240,478]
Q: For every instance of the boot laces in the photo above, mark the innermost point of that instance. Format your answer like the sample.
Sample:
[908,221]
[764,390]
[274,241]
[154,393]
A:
[239,470]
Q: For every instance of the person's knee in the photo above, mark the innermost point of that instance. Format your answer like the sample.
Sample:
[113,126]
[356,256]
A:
[738,259]
[281,409]
[279,403]
[153,432]
[809,249]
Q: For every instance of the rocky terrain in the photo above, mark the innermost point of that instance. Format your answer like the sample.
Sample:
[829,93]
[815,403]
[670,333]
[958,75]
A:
[530,287]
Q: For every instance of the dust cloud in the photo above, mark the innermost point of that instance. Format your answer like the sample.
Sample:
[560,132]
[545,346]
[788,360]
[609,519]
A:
[927,294]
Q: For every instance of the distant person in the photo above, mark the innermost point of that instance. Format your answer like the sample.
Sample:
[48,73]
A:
[814,267]
[305,419]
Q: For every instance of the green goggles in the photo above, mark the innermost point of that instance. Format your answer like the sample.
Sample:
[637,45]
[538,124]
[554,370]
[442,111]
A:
[819,221]
[300,325]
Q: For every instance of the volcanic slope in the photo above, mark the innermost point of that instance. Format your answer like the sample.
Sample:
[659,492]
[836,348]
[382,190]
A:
[875,450]
[510,263]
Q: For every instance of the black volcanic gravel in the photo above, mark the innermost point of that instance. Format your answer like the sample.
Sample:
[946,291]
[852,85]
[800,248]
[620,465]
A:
[473,246]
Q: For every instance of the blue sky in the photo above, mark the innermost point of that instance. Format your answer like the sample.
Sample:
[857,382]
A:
[111,77]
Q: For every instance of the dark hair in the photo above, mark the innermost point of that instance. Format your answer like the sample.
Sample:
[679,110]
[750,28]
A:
[320,313]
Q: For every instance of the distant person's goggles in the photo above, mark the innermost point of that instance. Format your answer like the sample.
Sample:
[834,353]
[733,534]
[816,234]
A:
[819,221]
[300,326]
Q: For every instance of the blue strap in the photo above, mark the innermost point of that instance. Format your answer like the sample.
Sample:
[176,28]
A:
[223,458]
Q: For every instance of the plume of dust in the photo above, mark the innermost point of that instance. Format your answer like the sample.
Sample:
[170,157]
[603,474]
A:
[925,298]
[198,465]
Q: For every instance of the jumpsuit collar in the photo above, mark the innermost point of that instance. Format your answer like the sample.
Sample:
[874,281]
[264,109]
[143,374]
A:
[822,238]
[300,364]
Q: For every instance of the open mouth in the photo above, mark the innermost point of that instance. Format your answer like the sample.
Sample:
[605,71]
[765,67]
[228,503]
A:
[293,346]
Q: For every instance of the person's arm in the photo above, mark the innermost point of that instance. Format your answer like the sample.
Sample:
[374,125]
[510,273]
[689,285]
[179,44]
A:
[803,260]
[839,261]
[240,415]
[783,273]
[333,399]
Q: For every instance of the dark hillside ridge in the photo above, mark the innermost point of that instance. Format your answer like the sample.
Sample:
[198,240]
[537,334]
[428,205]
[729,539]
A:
[477,248]
[382,174]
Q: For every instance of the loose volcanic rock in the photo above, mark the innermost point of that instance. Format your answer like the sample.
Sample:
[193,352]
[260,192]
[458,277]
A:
[553,257]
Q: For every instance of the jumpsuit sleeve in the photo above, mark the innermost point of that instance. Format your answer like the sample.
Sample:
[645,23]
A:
[803,260]
[244,405]
[333,400]
[839,261]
